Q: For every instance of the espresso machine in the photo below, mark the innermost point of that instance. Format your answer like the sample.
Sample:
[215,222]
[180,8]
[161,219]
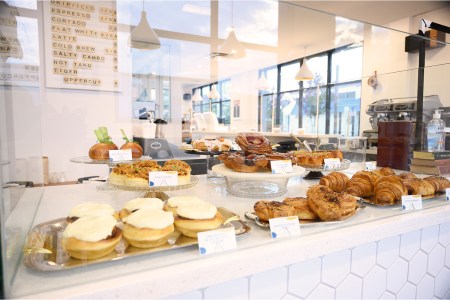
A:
[397,109]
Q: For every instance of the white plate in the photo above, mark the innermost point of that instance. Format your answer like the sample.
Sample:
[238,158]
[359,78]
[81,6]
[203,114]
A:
[222,170]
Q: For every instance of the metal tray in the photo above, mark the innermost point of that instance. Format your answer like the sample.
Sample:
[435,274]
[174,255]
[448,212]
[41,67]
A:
[438,196]
[43,250]
[307,223]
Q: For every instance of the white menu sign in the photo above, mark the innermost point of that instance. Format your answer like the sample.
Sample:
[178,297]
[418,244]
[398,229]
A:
[81,45]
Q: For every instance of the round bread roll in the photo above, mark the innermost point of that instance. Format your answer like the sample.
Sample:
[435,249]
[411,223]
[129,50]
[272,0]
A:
[136,149]
[173,202]
[91,237]
[147,228]
[100,151]
[197,217]
[90,209]
[140,203]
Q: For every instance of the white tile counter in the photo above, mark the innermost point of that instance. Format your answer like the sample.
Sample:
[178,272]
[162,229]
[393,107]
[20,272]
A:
[380,252]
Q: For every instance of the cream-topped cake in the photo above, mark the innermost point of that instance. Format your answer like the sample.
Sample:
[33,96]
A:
[150,218]
[174,202]
[90,209]
[197,210]
[197,217]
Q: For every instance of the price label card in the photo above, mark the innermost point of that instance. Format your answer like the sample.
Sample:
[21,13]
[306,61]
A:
[281,166]
[412,202]
[167,178]
[120,155]
[447,194]
[284,227]
[371,165]
[214,241]
[331,163]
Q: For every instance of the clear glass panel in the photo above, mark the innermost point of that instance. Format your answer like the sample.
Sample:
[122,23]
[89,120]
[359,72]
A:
[289,107]
[226,112]
[288,72]
[272,77]
[345,109]
[319,66]
[314,111]
[225,87]
[347,64]
[267,113]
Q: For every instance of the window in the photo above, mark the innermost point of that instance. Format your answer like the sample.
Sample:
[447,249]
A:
[221,106]
[328,104]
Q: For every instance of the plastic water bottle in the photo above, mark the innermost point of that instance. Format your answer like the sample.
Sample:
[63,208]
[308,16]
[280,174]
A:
[436,133]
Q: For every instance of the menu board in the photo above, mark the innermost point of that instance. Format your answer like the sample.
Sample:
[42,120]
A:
[81,45]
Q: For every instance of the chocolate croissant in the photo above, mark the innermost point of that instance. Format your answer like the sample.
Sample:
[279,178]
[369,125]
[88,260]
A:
[389,190]
[336,181]
[417,186]
[362,184]
[439,183]
[329,205]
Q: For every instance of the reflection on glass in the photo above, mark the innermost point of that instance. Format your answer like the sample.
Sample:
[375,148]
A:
[288,82]
[289,106]
[345,109]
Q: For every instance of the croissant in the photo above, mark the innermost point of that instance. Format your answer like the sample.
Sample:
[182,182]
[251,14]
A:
[302,208]
[252,142]
[407,175]
[362,184]
[384,171]
[439,183]
[329,205]
[266,210]
[388,190]
[417,186]
[336,181]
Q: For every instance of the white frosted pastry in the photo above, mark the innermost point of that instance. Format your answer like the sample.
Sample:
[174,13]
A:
[174,202]
[90,209]
[143,203]
[197,210]
[150,218]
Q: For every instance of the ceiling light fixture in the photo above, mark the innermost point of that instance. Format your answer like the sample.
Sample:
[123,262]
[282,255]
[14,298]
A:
[143,36]
[232,47]
[197,96]
[305,72]
[213,94]
[263,83]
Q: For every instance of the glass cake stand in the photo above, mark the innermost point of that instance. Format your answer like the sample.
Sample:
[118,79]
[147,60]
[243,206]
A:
[256,184]
[315,172]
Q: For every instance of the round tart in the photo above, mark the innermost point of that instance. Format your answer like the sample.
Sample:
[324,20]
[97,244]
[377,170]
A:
[197,217]
[182,168]
[91,237]
[140,203]
[147,228]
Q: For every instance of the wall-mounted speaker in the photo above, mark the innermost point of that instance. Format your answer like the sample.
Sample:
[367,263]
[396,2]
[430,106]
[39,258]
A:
[187,97]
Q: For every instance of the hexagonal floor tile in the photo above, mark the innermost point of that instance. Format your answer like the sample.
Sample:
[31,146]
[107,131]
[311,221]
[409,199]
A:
[409,244]
[233,289]
[363,259]
[425,288]
[387,295]
[397,275]
[322,291]
[193,295]
[429,238]
[436,260]
[387,251]
[442,283]
[374,283]
[262,284]
[444,234]
[417,267]
[408,291]
[350,288]
[335,267]
[304,277]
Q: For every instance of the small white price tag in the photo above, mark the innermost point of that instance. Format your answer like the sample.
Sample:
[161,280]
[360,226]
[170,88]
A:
[120,155]
[412,202]
[165,178]
[214,241]
[331,163]
[371,165]
[447,194]
[281,166]
[284,227]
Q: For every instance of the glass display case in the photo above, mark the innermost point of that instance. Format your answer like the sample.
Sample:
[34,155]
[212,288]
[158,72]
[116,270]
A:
[59,81]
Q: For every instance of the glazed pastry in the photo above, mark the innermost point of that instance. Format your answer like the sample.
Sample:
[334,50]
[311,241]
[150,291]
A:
[362,184]
[253,142]
[266,210]
[301,207]
[329,205]
[407,175]
[245,164]
[417,186]
[140,203]
[439,183]
[91,237]
[315,158]
[147,228]
[336,181]
[389,190]
[197,217]
[183,169]
[90,209]
[200,145]
[384,171]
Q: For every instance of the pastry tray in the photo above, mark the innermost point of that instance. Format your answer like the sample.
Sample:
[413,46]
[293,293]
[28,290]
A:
[438,196]
[307,223]
[194,181]
[43,250]
[345,164]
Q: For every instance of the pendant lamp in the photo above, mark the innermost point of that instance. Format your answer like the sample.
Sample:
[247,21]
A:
[232,47]
[143,36]
[213,94]
[197,96]
[304,73]
[263,83]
